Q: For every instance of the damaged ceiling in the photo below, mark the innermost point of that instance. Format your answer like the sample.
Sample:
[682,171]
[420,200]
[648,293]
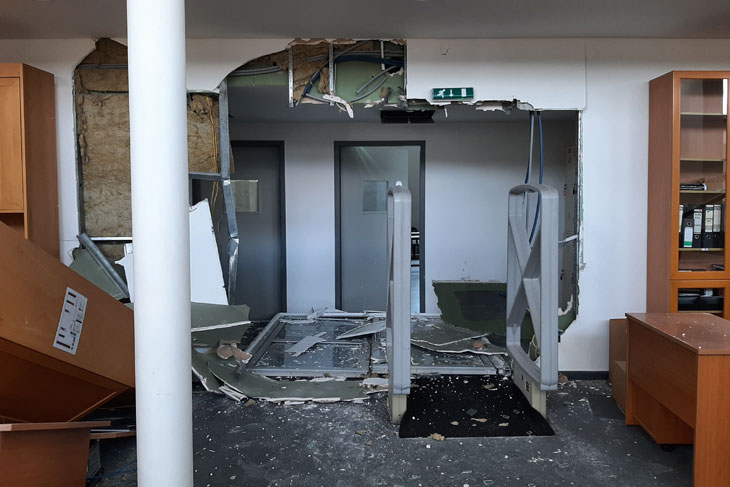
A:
[413,18]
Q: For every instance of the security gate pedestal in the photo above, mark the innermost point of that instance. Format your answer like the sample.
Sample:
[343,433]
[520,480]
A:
[532,284]
[398,310]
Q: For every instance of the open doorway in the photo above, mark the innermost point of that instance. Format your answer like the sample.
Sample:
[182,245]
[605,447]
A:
[364,172]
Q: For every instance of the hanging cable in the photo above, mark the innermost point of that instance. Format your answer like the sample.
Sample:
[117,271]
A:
[537,209]
[526,196]
[529,158]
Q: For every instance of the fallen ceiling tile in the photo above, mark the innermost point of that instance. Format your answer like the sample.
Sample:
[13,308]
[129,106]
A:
[259,387]
[87,267]
[467,345]
[201,371]
[212,337]
[210,316]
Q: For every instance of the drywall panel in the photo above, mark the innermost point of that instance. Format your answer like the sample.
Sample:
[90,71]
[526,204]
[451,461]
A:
[615,163]
[59,57]
[469,169]
[548,73]
[206,276]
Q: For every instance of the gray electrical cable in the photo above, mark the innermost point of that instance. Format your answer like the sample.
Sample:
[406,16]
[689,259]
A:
[256,72]
[351,48]
[358,98]
[382,73]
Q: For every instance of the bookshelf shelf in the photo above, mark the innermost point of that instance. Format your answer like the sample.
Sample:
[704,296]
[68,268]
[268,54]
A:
[686,236]
[702,114]
[690,249]
[711,311]
[701,159]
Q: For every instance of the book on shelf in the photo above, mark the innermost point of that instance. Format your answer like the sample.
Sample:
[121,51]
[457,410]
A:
[708,235]
[717,227]
[692,187]
[688,229]
[697,229]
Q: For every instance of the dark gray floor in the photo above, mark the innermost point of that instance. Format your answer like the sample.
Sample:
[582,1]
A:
[353,445]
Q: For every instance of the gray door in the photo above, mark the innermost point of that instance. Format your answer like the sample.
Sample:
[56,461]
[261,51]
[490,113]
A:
[366,174]
[257,191]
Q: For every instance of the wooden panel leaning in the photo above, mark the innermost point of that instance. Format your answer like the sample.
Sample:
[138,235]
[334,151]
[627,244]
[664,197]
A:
[40,382]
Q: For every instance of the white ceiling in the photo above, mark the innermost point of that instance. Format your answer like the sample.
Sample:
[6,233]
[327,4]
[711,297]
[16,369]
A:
[383,18]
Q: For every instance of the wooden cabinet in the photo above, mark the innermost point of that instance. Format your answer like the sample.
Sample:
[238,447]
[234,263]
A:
[687,261]
[28,184]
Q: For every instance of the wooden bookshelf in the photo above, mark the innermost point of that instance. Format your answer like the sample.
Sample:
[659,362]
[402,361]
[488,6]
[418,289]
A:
[688,128]
[28,187]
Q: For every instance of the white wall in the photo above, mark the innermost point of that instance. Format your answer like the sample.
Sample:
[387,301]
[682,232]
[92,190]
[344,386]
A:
[615,152]
[549,73]
[615,94]
[469,168]
[615,162]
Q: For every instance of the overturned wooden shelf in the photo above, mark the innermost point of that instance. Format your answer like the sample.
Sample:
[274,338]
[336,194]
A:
[40,382]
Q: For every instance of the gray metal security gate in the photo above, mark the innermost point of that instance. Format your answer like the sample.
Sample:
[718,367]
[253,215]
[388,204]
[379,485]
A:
[532,285]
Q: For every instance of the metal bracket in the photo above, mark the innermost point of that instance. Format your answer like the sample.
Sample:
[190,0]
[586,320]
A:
[532,282]
[291,77]
[332,71]
[398,308]
[224,140]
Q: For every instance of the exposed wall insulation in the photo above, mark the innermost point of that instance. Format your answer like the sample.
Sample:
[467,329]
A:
[102,124]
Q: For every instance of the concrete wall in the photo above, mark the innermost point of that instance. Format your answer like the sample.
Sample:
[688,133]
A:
[614,91]
[469,168]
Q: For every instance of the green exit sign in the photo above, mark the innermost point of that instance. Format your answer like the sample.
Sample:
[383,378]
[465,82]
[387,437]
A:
[453,93]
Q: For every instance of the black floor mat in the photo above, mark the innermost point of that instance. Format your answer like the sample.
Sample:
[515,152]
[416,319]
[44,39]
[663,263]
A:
[470,406]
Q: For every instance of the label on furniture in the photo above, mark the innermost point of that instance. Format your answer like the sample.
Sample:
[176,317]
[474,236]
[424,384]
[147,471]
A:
[71,322]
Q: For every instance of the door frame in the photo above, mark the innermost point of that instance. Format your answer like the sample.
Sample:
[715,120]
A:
[279,145]
[338,145]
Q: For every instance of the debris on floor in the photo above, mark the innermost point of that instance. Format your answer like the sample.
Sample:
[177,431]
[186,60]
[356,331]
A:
[459,406]
[259,387]
[297,358]
[88,266]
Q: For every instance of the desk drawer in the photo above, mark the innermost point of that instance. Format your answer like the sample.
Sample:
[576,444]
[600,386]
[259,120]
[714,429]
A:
[665,370]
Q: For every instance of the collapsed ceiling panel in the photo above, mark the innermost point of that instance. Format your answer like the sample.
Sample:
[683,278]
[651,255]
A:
[366,72]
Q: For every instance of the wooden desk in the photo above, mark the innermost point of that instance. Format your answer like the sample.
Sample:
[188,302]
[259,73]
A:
[45,454]
[678,386]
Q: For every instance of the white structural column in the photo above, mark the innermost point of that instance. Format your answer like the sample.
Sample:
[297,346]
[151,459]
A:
[158,143]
